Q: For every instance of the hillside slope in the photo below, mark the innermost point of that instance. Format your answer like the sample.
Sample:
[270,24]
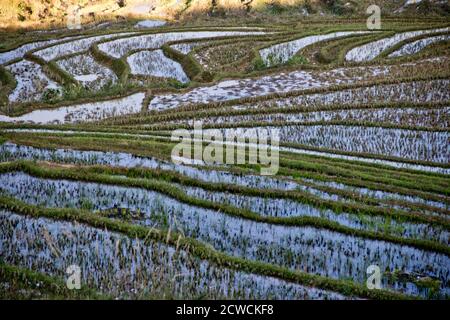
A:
[41,13]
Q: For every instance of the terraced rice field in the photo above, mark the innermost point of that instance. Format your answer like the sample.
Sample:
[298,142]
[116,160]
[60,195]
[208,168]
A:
[363,179]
